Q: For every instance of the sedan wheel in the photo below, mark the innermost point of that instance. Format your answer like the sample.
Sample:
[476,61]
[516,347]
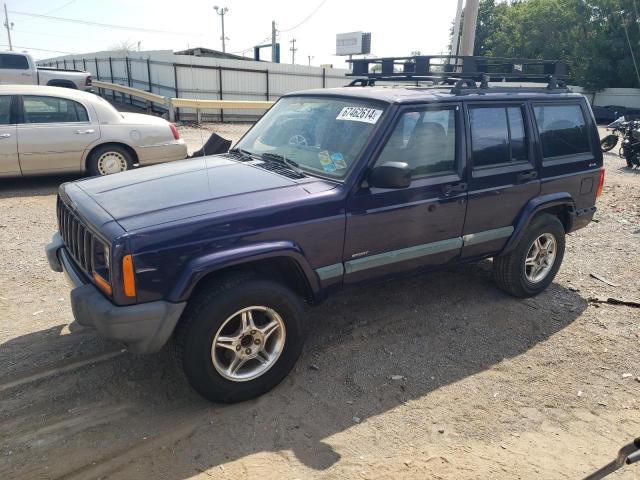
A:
[111,162]
[109,158]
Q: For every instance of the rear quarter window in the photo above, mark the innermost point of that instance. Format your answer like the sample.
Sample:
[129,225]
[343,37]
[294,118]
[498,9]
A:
[563,130]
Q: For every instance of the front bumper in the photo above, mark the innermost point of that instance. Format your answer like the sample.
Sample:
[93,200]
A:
[144,327]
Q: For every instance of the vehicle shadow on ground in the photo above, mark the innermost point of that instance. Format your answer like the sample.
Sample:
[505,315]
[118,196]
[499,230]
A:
[33,186]
[625,169]
[433,330]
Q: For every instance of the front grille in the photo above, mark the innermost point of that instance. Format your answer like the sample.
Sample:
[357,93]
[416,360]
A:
[77,238]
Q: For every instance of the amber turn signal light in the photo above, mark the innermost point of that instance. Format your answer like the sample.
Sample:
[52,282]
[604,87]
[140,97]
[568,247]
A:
[102,283]
[128,276]
[600,183]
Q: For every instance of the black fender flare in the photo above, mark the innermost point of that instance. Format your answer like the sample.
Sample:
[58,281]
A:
[532,208]
[200,267]
[62,84]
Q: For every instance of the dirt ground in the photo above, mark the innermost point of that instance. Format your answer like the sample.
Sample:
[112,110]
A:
[492,386]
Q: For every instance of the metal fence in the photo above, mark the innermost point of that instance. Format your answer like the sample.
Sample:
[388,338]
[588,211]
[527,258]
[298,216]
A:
[204,78]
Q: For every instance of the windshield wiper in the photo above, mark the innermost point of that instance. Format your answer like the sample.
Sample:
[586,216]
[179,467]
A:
[242,152]
[284,160]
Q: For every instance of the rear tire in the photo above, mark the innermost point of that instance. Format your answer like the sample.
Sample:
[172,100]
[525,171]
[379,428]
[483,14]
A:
[529,269]
[213,318]
[108,159]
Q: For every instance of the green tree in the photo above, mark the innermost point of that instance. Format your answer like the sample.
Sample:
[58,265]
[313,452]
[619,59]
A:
[588,34]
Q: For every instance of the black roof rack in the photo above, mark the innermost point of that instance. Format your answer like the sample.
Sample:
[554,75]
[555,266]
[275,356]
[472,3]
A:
[461,72]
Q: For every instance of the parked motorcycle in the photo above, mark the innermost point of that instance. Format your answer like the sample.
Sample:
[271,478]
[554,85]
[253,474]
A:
[630,132]
[627,455]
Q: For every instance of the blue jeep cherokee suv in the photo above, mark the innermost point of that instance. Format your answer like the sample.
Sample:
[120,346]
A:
[331,188]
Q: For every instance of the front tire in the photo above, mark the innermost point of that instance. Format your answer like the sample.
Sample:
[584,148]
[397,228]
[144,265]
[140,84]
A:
[239,338]
[108,159]
[533,264]
[609,142]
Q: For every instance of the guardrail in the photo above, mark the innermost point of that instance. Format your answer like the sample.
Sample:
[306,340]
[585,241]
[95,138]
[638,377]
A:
[171,104]
[134,92]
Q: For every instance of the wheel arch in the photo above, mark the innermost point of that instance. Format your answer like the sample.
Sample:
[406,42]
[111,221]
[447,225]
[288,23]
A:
[128,148]
[283,261]
[62,83]
[559,204]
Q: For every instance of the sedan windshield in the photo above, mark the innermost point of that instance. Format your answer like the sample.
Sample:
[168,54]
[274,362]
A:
[317,134]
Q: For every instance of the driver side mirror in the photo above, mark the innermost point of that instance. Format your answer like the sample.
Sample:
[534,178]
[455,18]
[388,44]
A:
[390,175]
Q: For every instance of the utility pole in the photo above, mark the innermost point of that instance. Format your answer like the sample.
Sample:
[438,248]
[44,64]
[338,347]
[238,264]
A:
[8,26]
[222,11]
[310,57]
[293,51]
[455,41]
[273,41]
[469,27]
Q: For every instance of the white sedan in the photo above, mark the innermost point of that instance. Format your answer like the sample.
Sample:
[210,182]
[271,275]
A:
[59,130]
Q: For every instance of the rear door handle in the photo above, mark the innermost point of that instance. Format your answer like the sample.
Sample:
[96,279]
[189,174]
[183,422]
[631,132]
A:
[454,188]
[84,132]
[5,135]
[527,175]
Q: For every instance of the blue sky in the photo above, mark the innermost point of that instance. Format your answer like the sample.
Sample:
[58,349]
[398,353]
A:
[398,27]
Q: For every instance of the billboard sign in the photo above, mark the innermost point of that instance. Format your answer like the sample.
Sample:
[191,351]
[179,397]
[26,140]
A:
[353,43]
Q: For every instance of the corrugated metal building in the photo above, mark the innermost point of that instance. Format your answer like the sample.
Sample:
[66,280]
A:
[199,77]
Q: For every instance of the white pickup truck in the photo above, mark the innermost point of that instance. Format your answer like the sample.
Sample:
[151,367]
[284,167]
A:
[20,69]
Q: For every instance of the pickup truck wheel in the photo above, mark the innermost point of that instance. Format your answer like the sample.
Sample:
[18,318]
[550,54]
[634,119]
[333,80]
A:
[239,339]
[533,264]
[109,159]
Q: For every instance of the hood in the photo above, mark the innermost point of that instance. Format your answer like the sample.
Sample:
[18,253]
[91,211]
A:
[142,119]
[189,188]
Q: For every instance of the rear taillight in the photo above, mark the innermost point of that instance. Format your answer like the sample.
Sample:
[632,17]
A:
[88,81]
[174,130]
[600,183]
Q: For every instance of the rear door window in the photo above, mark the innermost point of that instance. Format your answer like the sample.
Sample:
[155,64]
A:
[563,130]
[498,136]
[52,110]
[5,109]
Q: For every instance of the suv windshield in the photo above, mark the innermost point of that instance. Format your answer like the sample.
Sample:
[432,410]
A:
[318,134]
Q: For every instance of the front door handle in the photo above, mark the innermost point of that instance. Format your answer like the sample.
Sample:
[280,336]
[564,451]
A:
[84,132]
[5,135]
[454,188]
[524,176]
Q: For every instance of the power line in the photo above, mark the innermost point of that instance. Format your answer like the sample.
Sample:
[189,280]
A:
[39,49]
[45,34]
[251,47]
[633,57]
[306,18]
[97,24]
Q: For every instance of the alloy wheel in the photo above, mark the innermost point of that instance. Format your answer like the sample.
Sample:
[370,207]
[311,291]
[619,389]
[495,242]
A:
[248,343]
[540,258]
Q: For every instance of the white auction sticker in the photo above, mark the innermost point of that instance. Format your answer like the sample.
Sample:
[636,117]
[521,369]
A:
[359,114]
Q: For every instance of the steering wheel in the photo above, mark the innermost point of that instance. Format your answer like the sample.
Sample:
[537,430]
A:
[298,139]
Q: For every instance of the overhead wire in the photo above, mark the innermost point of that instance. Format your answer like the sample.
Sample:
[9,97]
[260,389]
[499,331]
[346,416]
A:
[98,24]
[39,49]
[626,33]
[306,18]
